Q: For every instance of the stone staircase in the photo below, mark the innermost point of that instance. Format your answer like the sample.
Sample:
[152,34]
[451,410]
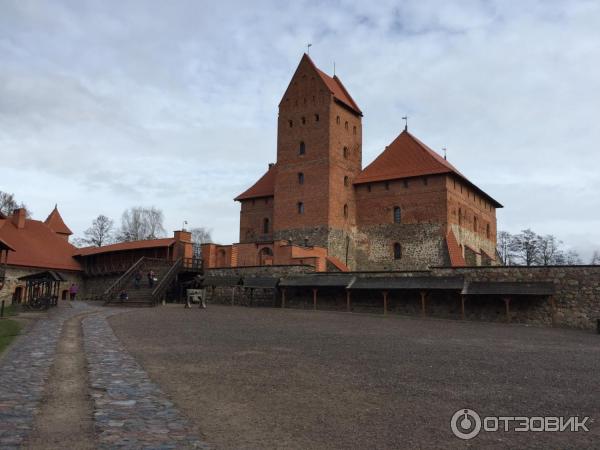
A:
[142,296]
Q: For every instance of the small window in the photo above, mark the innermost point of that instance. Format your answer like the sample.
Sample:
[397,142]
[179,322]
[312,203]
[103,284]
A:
[303,120]
[300,208]
[475,224]
[345,152]
[346,125]
[397,251]
[406,183]
[253,202]
[487,230]
[302,149]
[291,122]
[425,181]
[354,130]
[397,214]
[345,211]
[346,181]
[387,185]
[300,178]
[369,187]
[266,201]
[265,225]
[454,181]
[337,120]
[316,117]
[459,216]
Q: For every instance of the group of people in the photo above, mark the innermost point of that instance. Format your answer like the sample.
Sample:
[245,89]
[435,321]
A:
[137,281]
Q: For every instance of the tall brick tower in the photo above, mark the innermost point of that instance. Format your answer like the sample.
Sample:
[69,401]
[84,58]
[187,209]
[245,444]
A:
[319,154]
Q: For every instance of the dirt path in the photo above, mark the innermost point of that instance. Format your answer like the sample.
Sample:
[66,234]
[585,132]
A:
[66,417]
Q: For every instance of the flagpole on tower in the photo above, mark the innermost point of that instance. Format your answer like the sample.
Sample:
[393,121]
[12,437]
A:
[308,46]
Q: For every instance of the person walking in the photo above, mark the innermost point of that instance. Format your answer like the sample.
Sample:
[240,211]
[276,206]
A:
[151,278]
[73,291]
[137,279]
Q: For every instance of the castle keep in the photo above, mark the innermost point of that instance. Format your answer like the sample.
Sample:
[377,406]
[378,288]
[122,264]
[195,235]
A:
[409,209]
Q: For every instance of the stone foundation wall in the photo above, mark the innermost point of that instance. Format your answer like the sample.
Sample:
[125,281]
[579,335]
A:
[13,273]
[94,287]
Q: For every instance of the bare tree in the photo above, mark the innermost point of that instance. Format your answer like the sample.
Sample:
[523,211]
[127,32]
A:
[572,258]
[595,258]
[100,233]
[200,235]
[525,247]
[140,223]
[549,252]
[8,204]
[503,247]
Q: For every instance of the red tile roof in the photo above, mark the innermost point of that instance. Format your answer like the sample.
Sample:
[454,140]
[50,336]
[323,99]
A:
[4,246]
[408,157]
[264,187]
[56,223]
[335,86]
[37,245]
[124,246]
[456,257]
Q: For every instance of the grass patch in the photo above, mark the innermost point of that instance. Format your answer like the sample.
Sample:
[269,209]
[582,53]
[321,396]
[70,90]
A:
[10,310]
[9,329]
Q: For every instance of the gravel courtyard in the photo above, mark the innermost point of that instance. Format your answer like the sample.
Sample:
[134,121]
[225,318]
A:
[269,378]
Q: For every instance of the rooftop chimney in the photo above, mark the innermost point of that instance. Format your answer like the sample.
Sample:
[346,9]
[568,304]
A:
[18,217]
[271,165]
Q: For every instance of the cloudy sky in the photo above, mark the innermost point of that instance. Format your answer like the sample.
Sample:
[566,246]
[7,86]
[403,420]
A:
[110,104]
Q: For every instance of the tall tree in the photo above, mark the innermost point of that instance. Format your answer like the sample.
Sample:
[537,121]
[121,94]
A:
[200,235]
[549,252]
[595,258]
[140,223]
[100,233]
[8,204]
[503,247]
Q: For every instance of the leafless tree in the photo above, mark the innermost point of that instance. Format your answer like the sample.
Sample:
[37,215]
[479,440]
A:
[572,258]
[525,247]
[595,258]
[140,223]
[8,204]
[503,247]
[100,233]
[200,235]
[549,252]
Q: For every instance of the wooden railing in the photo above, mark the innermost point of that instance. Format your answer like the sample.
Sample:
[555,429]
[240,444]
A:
[192,264]
[122,280]
[165,280]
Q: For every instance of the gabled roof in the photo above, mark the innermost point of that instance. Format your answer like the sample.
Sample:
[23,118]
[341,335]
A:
[124,246]
[37,245]
[456,257]
[264,187]
[408,157]
[334,85]
[56,223]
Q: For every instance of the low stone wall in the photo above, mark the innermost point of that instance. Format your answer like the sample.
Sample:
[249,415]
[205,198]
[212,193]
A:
[94,287]
[577,295]
[13,273]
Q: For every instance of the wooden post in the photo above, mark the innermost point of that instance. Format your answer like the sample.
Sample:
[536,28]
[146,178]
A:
[423,300]
[507,306]
[233,295]
[385,296]
[315,299]
[283,298]
[348,301]
[553,308]
[462,307]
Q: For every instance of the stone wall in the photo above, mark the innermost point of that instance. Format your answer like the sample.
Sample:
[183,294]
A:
[13,273]
[94,287]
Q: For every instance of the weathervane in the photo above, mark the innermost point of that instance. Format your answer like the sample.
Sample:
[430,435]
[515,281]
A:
[308,46]
[405,118]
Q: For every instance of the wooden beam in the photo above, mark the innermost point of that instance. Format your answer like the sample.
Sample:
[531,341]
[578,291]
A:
[507,307]
[283,298]
[423,300]
[462,307]
[315,299]
[348,301]
[385,302]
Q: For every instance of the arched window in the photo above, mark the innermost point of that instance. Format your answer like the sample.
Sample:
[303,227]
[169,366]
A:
[302,149]
[397,214]
[266,225]
[346,125]
[337,120]
[354,130]
[346,181]
[300,178]
[345,211]
[316,117]
[345,152]
[300,208]
[397,250]
[291,122]
[303,120]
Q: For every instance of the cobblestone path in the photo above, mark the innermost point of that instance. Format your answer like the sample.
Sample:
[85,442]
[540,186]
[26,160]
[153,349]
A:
[23,375]
[130,410]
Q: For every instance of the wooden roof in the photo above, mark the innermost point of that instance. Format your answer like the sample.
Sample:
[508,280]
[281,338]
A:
[508,288]
[407,283]
[125,246]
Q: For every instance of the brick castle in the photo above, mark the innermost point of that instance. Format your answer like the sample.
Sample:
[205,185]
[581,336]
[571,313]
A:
[409,209]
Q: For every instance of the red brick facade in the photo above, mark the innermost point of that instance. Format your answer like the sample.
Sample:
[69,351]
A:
[409,209]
